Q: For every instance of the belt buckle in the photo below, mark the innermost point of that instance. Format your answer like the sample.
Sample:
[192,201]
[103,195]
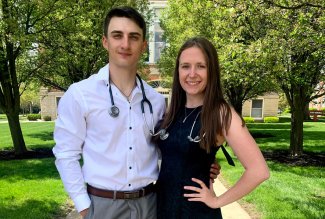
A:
[131,195]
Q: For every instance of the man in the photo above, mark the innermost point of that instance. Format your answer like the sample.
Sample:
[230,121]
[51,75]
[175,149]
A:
[102,119]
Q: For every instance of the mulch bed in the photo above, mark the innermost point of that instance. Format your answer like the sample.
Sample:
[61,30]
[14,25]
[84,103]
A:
[306,159]
[279,156]
[31,154]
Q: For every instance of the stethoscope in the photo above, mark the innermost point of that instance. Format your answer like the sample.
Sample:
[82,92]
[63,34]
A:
[164,134]
[114,110]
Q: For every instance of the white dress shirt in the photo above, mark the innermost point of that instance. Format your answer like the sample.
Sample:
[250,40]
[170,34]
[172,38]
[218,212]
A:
[117,153]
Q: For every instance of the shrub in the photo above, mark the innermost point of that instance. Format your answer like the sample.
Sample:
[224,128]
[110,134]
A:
[47,118]
[249,119]
[33,117]
[271,119]
[287,110]
[312,109]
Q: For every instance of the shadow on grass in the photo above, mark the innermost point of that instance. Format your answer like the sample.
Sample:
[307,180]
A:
[305,206]
[32,209]
[16,170]
[44,136]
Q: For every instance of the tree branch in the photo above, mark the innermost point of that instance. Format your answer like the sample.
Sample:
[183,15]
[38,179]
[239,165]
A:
[306,4]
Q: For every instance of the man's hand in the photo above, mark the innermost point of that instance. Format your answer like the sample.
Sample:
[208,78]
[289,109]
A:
[214,170]
[83,213]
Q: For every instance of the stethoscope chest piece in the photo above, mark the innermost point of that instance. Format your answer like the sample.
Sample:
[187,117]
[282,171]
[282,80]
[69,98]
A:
[114,111]
[163,134]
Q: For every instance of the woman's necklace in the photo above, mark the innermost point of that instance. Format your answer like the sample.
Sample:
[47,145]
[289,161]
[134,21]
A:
[186,116]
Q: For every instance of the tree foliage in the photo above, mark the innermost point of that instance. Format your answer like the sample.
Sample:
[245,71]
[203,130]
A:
[257,41]
[73,50]
[56,41]
[295,45]
[230,27]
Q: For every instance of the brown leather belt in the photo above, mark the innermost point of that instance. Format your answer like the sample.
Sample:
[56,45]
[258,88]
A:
[121,195]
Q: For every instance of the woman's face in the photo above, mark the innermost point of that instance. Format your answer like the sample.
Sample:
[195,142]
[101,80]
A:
[193,73]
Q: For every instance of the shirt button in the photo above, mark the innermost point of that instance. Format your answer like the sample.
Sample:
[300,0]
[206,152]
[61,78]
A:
[130,107]
[130,148]
[130,128]
[129,184]
[130,168]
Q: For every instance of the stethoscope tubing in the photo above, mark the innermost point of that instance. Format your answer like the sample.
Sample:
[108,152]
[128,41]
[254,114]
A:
[114,110]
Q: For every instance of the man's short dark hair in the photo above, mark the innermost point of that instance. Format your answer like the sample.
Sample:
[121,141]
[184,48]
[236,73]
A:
[127,12]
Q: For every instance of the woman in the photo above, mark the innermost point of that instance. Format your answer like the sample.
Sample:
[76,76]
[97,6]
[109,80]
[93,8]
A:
[196,124]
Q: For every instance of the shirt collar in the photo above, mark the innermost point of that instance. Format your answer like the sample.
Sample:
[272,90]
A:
[104,76]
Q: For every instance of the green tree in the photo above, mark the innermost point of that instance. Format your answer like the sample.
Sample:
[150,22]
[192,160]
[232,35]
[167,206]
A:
[52,40]
[257,40]
[16,34]
[74,50]
[295,43]
[231,29]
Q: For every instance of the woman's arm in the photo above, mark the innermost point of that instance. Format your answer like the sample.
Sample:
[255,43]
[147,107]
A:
[250,156]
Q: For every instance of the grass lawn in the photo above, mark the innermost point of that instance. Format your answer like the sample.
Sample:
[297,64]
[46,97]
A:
[36,135]
[292,191]
[30,188]
[3,117]
[33,189]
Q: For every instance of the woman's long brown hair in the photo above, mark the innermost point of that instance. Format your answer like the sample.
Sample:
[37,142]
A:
[216,113]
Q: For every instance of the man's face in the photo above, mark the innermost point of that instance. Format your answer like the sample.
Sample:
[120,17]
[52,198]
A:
[124,42]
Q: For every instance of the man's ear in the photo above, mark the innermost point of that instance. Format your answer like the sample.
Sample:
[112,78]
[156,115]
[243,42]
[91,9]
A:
[144,47]
[105,42]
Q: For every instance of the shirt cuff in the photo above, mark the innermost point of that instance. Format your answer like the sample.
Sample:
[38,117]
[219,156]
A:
[82,202]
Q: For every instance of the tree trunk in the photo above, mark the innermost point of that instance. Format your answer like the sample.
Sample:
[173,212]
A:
[297,121]
[306,112]
[238,105]
[16,134]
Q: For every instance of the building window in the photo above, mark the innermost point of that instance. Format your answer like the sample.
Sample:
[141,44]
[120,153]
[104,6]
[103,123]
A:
[159,43]
[57,99]
[257,109]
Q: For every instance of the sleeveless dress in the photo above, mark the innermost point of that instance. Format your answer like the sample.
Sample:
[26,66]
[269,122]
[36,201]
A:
[181,161]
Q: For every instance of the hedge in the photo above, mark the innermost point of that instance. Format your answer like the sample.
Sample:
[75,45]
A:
[47,118]
[249,119]
[33,117]
[271,119]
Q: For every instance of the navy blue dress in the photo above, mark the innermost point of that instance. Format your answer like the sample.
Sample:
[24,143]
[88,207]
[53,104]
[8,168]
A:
[182,160]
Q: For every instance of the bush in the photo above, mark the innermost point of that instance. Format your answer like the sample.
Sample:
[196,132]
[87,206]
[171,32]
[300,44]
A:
[271,119]
[33,117]
[47,118]
[312,109]
[287,110]
[249,119]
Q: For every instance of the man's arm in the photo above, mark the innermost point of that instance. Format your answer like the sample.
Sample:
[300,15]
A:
[69,135]
[214,170]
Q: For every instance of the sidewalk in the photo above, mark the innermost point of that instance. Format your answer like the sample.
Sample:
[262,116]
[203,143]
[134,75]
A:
[231,211]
